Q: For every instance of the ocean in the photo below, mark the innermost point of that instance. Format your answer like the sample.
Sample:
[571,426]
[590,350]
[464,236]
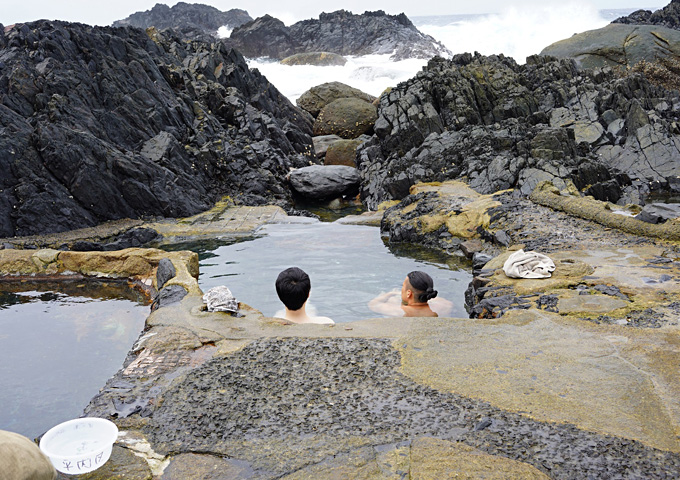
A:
[516,33]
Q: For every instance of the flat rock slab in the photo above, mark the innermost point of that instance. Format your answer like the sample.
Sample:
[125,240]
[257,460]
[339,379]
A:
[223,220]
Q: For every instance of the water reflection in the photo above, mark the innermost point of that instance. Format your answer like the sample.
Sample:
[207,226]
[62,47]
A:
[59,343]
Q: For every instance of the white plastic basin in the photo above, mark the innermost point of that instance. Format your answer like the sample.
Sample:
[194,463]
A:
[79,446]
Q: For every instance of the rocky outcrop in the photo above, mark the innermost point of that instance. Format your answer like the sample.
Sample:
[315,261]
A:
[618,45]
[186,17]
[500,125]
[340,32]
[319,59]
[669,16]
[109,123]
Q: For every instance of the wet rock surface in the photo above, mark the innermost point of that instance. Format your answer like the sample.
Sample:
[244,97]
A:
[500,125]
[339,32]
[356,391]
[108,123]
[668,16]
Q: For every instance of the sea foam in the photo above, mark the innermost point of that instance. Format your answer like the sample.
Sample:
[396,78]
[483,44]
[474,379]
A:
[517,31]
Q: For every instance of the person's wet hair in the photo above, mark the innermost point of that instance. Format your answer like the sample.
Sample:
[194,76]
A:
[422,285]
[292,287]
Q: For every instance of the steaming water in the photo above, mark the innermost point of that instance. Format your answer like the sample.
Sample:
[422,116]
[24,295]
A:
[515,32]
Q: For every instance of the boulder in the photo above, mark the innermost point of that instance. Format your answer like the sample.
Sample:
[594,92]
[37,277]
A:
[500,125]
[340,32]
[165,271]
[319,59]
[323,142]
[320,182]
[343,152]
[346,117]
[187,17]
[127,124]
[618,45]
[314,99]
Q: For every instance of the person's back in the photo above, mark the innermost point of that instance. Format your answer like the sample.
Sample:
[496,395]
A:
[293,286]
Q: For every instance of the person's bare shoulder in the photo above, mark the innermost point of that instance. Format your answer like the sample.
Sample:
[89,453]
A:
[323,320]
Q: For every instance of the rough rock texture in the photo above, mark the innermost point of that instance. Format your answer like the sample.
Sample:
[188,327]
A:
[668,16]
[108,123]
[265,391]
[618,45]
[346,117]
[186,17]
[343,152]
[321,182]
[320,59]
[323,142]
[340,32]
[501,125]
[314,99]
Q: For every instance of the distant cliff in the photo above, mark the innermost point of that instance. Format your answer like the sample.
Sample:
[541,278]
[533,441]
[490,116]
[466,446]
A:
[102,123]
[340,32]
[186,17]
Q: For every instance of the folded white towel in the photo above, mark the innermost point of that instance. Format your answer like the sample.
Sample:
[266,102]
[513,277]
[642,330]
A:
[220,299]
[523,264]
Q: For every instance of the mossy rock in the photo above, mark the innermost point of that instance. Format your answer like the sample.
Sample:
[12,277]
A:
[343,152]
[316,98]
[346,117]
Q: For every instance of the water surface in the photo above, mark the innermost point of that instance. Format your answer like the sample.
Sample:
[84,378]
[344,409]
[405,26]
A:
[348,266]
[59,343]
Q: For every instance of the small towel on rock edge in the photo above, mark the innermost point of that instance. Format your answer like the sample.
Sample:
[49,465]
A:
[220,299]
[523,264]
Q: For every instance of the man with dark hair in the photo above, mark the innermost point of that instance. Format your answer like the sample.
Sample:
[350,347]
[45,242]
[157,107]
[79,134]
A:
[292,287]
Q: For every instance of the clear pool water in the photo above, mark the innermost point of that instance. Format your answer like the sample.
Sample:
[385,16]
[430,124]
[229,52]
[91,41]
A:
[59,343]
[348,266]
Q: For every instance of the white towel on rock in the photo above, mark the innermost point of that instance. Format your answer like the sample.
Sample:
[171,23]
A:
[220,299]
[523,264]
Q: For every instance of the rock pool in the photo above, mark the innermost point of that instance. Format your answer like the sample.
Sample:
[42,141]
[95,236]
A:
[59,344]
[348,265]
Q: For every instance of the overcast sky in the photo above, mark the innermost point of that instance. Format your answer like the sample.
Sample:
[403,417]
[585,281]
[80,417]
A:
[97,12]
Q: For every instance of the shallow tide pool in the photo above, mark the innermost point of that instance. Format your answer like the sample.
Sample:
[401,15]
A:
[348,266]
[59,343]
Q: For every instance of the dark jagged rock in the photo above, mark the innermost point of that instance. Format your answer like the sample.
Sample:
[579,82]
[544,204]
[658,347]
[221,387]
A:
[187,17]
[669,16]
[340,32]
[500,125]
[107,123]
[319,182]
[659,212]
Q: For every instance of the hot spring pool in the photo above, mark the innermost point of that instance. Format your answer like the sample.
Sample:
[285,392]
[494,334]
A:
[59,343]
[348,266]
